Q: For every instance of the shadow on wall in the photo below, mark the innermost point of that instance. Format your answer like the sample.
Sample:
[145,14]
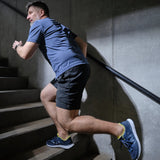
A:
[107,100]
[99,22]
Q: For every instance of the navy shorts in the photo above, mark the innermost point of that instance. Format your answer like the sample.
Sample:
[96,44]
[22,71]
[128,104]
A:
[70,87]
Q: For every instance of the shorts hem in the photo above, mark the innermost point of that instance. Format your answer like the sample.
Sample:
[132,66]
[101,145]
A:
[67,107]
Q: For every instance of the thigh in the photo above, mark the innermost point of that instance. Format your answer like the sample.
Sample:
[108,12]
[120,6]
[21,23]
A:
[49,93]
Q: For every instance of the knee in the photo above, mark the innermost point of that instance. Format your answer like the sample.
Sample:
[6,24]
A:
[43,96]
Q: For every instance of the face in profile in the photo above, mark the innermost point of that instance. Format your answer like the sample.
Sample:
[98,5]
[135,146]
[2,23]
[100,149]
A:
[34,13]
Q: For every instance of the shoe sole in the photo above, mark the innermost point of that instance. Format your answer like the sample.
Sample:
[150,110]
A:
[135,134]
[61,146]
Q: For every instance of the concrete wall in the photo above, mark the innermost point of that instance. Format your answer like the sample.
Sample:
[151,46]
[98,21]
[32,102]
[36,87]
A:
[125,34]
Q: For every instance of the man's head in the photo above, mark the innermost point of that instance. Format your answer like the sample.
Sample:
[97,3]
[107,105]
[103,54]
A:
[36,10]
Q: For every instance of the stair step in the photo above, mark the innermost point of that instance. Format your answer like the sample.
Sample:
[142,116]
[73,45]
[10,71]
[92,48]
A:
[4,62]
[24,123]
[8,83]
[46,153]
[8,72]
[24,137]
[23,113]
[13,97]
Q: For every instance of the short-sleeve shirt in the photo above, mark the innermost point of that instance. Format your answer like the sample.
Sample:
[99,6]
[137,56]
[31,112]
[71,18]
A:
[57,43]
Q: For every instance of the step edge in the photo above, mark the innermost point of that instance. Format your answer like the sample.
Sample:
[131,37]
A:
[18,90]
[21,107]
[29,127]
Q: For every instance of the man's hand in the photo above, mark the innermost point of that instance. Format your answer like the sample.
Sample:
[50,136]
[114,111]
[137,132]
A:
[24,51]
[16,44]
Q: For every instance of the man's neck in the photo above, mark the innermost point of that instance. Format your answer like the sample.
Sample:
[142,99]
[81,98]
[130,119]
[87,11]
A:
[44,17]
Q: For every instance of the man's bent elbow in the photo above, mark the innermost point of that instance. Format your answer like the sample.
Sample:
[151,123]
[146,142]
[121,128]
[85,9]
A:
[26,51]
[25,56]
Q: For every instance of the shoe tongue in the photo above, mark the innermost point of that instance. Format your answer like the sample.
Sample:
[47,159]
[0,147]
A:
[122,132]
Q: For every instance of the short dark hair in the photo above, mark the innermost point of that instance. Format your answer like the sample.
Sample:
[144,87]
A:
[38,4]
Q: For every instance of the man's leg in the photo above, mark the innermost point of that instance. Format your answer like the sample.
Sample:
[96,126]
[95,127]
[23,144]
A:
[125,131]
[48,96]
[70,120]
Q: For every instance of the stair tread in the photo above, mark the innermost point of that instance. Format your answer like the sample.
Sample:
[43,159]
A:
[18,96]
[44,152]
[12,77]
[27,127]
[18,90]
[8,71]
[4,67]
[10,83]
[21,106]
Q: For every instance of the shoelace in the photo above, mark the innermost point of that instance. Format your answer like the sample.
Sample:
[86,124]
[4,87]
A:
[128,143]
[55,140]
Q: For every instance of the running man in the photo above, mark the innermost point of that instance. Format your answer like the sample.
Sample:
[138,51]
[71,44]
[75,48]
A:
[66,53]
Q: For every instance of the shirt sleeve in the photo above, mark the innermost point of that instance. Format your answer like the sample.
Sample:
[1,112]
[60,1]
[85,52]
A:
[73,35]
[35,33]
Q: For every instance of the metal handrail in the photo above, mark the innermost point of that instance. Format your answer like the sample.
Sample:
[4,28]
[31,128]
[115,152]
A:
[113,71]
[14,8]
[127,80]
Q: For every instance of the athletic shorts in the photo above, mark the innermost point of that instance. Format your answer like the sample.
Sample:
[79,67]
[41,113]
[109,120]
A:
[70,87]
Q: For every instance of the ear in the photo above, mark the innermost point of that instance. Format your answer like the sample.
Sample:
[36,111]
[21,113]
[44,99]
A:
[42,13]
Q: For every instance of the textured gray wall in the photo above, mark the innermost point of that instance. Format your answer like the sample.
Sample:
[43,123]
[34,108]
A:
[125,34]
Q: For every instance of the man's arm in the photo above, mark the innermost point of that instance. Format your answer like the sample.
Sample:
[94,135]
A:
[25,51]
[82,45]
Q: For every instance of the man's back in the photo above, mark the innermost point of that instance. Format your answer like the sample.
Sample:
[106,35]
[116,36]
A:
[57,44]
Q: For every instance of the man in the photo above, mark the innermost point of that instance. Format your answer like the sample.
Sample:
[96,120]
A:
[66,53]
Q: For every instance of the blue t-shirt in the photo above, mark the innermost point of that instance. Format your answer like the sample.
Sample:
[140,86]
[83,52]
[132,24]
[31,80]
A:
[57,44]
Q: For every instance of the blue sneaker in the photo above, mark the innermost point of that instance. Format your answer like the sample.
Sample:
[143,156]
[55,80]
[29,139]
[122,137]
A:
[130,139]
[59,142]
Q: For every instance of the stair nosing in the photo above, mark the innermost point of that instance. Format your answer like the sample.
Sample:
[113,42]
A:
[17,90]
[21,106]
[8,67]
[12,77]
[27,127]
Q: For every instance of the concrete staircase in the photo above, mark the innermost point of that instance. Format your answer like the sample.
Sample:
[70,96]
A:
[25,125]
